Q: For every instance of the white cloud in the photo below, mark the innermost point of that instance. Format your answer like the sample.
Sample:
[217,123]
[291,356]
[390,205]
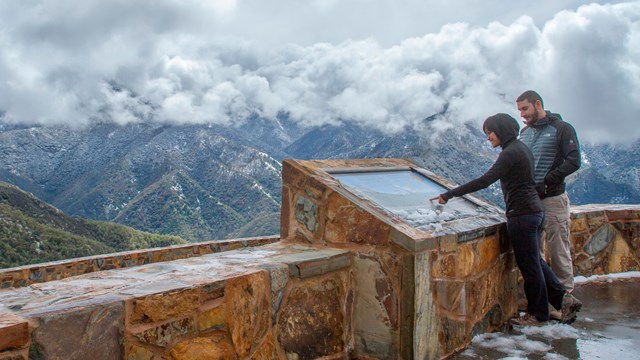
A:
[385,66]
[593,62]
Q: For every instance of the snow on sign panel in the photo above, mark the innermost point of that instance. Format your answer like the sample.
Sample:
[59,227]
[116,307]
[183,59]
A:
[406,194]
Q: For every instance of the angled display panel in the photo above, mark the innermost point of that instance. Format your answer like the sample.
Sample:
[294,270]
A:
[406,194]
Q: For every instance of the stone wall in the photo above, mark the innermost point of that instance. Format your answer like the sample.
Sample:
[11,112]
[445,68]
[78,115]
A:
[281,301]
[57,270]
[606,239]
[473,288]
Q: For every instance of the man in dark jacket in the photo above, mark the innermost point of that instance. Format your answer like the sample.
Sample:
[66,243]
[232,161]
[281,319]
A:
[556,153]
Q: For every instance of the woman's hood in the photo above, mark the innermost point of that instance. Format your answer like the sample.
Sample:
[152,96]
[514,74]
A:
[504,126]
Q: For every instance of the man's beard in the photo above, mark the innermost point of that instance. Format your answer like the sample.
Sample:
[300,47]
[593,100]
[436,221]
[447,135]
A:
[534,117]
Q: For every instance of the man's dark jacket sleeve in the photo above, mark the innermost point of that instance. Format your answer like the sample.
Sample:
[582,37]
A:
[569,155]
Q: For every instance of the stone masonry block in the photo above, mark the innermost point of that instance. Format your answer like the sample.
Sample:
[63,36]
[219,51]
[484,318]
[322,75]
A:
[375,316]
[311,321]
[488,251]
[322,266]
[166,334]
[135,352]
[578,241]
[306,212]
[448,243]
[631,231]
[600,240]
[336,206]
[624,215]
[314,263]
[583,265]
[621,258]
[470,235]
[14,331]
[248,308]
[348,222]
[22,354]
[453,334]
[214,347]
[87,333]
[285,212]
[212,318]
[212,291]
[465,260]
[446,266]
[267,350]
[279,276]
[450,295]
[595,221]
[579,224]
[160,307]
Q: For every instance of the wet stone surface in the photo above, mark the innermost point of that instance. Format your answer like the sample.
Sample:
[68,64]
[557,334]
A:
[608,327]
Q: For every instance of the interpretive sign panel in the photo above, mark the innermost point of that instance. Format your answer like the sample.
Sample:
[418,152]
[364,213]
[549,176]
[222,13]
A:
[406,194]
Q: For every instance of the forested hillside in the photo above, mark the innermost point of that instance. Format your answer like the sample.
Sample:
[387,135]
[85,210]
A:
[31,231]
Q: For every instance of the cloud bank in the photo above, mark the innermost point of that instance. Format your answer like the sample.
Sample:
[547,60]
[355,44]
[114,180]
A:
[70,62]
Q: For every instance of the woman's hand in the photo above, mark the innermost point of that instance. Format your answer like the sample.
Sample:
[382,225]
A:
[440,200]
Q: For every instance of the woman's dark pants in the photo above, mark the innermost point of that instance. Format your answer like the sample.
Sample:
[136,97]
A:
[541,286]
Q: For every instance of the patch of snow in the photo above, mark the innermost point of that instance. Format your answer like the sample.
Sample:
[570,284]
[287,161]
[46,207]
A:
[469,352]
[271,167]
[259,187]
[584,159]
[523,346]
[607,277]
[514,346]
[607,349]
[552,356]
[552,331]
[422,216]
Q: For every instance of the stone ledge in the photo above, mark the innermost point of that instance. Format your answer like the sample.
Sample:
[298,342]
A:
[156,307]
[58,270]
[309,264]
[590,210]
[139,282]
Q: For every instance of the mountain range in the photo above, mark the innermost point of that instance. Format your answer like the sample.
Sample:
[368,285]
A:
[203,182]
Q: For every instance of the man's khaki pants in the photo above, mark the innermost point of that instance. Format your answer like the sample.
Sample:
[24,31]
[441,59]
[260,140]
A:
[556,229]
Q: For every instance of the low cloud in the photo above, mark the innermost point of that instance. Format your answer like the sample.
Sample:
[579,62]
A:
[119,65]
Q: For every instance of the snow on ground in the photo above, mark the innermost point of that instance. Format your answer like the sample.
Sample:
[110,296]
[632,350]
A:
[607,277]
[606,328]
[525,342]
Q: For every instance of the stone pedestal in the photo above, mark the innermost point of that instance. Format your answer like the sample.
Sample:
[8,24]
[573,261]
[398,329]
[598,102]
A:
[419,294]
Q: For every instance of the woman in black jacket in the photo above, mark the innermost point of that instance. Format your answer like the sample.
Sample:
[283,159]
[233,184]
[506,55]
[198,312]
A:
[525,213]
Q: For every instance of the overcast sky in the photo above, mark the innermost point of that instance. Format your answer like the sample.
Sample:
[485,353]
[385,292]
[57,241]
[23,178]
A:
[387,64]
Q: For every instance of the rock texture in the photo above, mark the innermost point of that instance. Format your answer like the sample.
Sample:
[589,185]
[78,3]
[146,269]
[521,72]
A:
[606,239]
